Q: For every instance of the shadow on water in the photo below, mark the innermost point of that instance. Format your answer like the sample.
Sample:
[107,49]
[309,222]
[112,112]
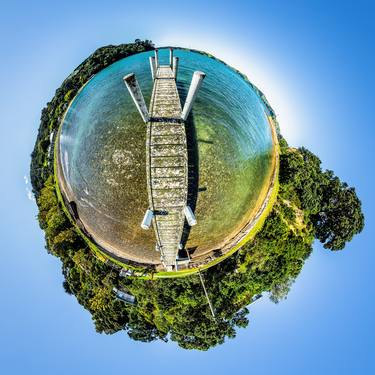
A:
[193,169]
[205,141]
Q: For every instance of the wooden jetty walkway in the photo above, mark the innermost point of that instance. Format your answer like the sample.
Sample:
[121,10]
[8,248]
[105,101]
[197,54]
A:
[166,156]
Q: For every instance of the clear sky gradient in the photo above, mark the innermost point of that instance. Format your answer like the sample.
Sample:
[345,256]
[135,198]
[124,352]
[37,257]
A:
[314,60]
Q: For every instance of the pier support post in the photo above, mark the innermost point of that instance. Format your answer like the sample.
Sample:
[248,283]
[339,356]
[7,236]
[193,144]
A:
[147,219]
[175,67]
[156,58]
[170,57]
[153,67]
[136,93]
[190,217]
[193,90]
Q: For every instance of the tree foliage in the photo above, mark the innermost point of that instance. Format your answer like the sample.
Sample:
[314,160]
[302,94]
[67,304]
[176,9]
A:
[311,204]
[333,206]
[340,216]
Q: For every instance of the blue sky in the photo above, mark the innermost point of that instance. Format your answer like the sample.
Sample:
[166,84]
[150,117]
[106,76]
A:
[314,61]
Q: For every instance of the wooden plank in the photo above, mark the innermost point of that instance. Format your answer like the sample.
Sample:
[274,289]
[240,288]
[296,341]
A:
[167,150]
[168,182]
[167,164]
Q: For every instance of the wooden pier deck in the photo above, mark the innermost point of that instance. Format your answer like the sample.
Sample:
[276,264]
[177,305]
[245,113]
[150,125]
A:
[166,157]
[167,169]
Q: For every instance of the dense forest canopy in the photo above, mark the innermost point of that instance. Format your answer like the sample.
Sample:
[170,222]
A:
[312,203]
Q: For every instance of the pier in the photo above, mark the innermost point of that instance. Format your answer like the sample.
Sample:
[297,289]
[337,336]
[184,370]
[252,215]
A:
[166,156]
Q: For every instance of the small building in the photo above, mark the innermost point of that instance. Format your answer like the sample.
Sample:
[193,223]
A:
[125,297]
[125,273]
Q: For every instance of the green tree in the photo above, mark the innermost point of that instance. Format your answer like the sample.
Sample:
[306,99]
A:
[340,217]
[310,203]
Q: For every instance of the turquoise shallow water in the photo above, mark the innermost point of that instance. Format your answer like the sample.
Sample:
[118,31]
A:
[102,153]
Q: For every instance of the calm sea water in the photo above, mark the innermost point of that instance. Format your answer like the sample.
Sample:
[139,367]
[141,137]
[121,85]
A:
[103,153]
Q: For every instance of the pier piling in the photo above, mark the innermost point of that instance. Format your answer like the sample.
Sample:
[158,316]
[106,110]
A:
[195,84]
[136,93]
